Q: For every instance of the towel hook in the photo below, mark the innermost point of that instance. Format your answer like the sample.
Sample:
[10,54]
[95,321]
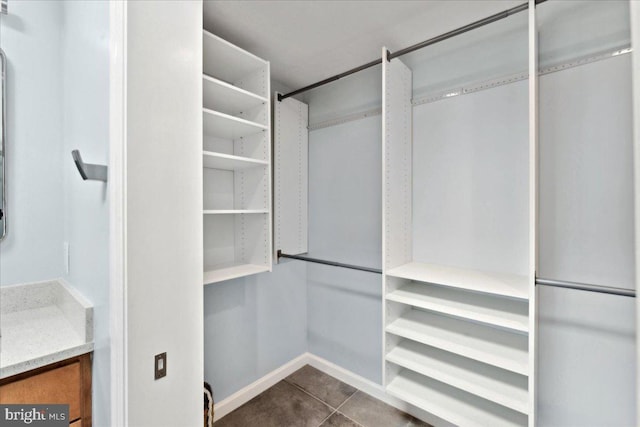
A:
[88,170]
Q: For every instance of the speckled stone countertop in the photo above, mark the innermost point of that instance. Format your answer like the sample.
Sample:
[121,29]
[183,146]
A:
[40,324]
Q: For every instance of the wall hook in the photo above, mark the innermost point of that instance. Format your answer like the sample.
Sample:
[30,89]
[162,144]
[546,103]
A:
[88,170]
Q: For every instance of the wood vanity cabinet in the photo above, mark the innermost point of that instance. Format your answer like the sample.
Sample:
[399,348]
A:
[65,382]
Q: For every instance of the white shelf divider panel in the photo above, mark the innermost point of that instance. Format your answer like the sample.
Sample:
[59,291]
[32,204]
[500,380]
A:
[485,344]
[226,61]
[222,125]
[291,176]
[452,404]
[226,98]
[220,274]
[229,162]
[507,285]
[234,211]
[503,312]
[494,384]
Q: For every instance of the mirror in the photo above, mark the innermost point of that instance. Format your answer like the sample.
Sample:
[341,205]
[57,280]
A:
[3,205]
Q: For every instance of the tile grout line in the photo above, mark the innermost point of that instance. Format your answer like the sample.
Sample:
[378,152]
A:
[347,399]
[327,417]
[343,403]
[340,406]
[316,398]
[335,410]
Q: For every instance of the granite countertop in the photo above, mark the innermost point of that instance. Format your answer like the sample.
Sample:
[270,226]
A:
[42,323]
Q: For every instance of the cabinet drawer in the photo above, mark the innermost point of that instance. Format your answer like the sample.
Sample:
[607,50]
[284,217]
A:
[59,385]
[76,424]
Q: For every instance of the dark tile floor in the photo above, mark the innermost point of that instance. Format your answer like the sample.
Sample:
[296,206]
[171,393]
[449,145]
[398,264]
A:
[311,398]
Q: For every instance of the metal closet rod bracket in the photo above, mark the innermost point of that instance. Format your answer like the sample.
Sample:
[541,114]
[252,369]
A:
[325,262]
[88,170]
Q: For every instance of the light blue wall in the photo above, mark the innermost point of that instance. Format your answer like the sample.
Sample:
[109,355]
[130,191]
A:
[253,325]
[85,107]
[31,39]
[345,306]
[58,100]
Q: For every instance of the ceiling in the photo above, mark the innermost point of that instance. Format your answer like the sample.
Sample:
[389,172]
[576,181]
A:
[307,41]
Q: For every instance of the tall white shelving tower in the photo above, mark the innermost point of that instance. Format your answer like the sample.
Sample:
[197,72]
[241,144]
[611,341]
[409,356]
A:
[236,159]
[458,342]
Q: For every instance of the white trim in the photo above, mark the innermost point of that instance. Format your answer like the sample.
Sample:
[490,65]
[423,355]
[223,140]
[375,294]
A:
[117,211]
[533,208]
[247,393]
[369,387]
[635,43]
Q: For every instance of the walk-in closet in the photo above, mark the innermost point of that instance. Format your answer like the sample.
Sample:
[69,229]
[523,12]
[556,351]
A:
[321,213]
[459,213]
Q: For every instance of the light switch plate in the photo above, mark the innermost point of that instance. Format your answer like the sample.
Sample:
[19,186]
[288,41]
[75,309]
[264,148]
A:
[161,365]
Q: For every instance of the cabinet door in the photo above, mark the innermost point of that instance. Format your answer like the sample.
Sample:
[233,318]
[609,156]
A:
[57,386]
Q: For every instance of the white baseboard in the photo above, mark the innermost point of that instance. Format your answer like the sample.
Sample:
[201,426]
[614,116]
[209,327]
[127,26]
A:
[247,393]
[366,386]
[372,389]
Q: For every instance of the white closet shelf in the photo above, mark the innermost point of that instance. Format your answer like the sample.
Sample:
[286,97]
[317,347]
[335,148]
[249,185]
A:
[234,211]
[497,385]
[504,312]
[508,285]
[223,125]
[222,96]
[485,344]
[451,404]
[223,273]
[212,160]
[227,62]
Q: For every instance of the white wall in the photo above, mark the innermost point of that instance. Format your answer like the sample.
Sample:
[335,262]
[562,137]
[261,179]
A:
[164,259]
[33,249]
[85,118]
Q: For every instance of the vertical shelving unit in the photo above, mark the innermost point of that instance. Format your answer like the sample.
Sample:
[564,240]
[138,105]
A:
[236,158]
[458,342]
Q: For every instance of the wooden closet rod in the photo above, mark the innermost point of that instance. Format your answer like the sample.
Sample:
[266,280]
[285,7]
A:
[586,287]
[332,263]
[431,41]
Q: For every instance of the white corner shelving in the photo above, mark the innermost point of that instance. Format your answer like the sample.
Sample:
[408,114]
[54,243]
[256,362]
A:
[229,63]
[501,312]
[229,162]
[225,126]
[226,98]
[234,211]
[485,344]
[482,380]
[236,159]
[450,403]
[507,285]
[457,340]
[220,273]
